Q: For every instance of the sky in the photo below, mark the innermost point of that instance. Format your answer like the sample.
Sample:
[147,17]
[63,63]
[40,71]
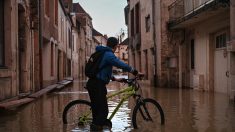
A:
[107,15]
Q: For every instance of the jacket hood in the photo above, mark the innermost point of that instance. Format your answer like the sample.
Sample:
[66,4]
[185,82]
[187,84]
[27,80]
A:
[101,48]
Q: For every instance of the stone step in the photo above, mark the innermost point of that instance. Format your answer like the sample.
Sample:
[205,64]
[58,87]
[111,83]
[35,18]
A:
[15,103]
[43,91]
[6,105]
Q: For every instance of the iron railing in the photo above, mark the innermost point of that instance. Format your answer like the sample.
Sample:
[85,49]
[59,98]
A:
[181,8]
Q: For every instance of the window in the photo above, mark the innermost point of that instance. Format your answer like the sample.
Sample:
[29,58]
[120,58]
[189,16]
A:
[47,5]
[69,67]
[192,54]
[70,39]
[137,17]
[132,22]
[56,12]
[52,59]
[62,30]
[147,23]
[73,43]
[2,33]
[220,41]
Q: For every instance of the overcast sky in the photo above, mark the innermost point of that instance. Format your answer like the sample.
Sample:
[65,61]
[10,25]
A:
[107,15]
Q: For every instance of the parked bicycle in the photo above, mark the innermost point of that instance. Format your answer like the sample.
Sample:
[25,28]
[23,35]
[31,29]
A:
[146,110]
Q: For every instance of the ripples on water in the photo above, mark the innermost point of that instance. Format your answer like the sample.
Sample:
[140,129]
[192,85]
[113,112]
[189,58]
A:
[185,111]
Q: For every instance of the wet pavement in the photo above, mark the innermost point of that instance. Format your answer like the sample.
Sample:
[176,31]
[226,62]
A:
[185,110]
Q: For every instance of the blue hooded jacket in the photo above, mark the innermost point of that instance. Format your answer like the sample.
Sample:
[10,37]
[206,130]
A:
[109,60]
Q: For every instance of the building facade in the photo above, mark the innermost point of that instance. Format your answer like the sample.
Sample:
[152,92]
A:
[39,46]
[100,38]
[206,54]
[122,51]
[191,43]
[86,22]
[49,17]
[149,48]
[18,36]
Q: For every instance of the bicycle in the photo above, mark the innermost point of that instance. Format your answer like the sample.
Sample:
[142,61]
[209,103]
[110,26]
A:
[79,111]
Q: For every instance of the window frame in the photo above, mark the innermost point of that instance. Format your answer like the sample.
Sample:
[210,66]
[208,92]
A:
[132,22]
[147,23]
[220,36]
[52,58]
[137,18]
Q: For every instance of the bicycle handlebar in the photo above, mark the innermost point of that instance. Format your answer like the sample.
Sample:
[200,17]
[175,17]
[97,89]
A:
[131,80]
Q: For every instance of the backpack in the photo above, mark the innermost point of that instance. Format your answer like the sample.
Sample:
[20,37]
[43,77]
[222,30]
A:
[92,66]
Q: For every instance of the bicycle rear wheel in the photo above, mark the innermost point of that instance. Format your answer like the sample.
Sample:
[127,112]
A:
[147,112]
[77,112]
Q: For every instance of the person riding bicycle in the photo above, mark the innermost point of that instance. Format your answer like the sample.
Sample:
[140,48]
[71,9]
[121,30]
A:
[97,86]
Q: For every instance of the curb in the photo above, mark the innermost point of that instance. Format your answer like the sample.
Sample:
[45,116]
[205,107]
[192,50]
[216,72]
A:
[32,97]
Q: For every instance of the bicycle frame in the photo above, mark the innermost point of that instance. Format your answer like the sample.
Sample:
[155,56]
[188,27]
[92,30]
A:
[127,93]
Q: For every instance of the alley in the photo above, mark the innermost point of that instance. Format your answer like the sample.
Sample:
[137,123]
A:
[185,111]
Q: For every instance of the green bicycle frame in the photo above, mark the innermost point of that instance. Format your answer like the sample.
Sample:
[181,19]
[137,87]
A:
[126,93]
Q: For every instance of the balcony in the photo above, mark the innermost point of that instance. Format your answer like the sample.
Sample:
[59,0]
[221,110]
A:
[187,12]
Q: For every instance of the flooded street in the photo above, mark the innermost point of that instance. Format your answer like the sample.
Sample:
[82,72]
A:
[185,111]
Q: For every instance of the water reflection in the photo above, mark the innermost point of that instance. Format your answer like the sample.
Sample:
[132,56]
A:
[185,111]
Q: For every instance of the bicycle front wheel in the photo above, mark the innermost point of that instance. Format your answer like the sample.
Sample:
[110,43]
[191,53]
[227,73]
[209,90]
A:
[147,112]
[77,112]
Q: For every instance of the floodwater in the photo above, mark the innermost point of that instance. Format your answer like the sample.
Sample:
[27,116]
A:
[186,110]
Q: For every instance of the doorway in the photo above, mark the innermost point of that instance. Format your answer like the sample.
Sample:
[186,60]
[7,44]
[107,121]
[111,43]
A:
[221,64]
[22,49]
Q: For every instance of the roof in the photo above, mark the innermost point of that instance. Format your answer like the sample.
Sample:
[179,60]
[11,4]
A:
[96,33]
[95,40]
[77,8]
[125,42]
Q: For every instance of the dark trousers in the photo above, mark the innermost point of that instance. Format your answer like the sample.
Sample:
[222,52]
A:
[97,92]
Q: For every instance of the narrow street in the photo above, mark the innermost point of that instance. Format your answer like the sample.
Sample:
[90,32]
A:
[185,111]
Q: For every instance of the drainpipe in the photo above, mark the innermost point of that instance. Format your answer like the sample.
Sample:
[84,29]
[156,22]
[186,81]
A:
[154,43]
[40,43]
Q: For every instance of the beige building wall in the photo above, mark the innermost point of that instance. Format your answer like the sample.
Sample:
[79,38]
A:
[122,53]
[82,53]
[49,18]
[102,40]
[232,50]
[154,16]
[76,40]
[8,78]
[89,45]
[17,72]
[213,63]
[144,38]
[204,49]
[65,44]
[62,39]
